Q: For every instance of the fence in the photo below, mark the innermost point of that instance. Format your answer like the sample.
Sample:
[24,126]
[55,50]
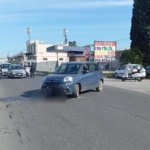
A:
[48,66]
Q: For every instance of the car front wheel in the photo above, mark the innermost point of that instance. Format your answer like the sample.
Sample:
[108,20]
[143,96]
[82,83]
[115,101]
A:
[76,91]
[100,86]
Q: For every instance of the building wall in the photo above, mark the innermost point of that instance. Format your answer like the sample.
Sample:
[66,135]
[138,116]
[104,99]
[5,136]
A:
[37,50]
[2,60]
[77,58]
[52,56]
[48,66]
[40,54]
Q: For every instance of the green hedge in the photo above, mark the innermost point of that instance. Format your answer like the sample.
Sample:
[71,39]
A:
[108,75]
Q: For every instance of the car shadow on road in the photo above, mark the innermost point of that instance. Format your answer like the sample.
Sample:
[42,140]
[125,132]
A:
[39,95]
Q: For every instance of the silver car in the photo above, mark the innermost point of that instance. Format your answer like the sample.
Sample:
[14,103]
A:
[16,70]
[4,67]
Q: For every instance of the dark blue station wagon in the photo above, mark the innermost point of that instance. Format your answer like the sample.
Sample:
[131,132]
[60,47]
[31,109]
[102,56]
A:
[75,77]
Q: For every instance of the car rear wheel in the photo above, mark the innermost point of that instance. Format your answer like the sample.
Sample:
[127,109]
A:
[100,86]
[123,79]
[139,79]
[76,91]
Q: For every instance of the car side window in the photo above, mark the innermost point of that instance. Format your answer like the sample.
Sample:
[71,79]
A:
[123,67]
[93,67]
[86,67]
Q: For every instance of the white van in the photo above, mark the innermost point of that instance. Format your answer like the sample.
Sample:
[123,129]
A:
[122,70]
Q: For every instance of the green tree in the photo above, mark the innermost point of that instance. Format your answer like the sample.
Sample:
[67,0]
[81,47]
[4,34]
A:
[134,56]
[140,29]
[72,43]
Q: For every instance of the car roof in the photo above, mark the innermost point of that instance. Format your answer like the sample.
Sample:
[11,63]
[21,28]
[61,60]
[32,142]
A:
[5,63]
[79,62]
[133,64]
[15,65]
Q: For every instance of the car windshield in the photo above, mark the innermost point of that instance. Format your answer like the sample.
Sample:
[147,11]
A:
[5,66]
[16,67]
[137,66]
[67,69]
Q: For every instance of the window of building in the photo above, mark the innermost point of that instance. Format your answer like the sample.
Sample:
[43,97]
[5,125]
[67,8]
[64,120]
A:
[60,58]
[44,58]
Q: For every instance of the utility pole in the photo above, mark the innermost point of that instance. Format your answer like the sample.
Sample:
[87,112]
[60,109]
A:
[29,33]
[65,35]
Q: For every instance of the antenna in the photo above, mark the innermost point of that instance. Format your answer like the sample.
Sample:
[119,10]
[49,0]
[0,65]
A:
[29,32]
[65,35]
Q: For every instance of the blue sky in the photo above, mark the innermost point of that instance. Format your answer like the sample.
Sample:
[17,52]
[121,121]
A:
[85,21]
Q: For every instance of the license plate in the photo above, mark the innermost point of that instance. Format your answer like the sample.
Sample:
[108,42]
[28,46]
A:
[19,74]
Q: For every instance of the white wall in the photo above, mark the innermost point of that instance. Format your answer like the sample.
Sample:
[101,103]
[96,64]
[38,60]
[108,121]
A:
[52,56]
[3,60]
[48,66]
[39,50]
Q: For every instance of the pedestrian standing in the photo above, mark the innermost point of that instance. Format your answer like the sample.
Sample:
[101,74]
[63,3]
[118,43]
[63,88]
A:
[32,70]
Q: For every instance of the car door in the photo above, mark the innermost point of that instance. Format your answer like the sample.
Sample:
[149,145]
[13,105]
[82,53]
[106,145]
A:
[86,76]
[95,75]
[121,71]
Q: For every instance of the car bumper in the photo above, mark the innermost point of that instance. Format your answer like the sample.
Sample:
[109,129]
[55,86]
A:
[18,75]
[5,73]
[67,88]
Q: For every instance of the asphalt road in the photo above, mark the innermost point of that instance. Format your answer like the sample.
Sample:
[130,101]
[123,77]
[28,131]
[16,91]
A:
[115,119]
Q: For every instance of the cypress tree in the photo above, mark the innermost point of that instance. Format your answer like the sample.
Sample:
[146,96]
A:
[140,28]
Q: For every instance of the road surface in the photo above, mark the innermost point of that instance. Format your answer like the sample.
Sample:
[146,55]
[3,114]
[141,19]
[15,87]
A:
[115,119]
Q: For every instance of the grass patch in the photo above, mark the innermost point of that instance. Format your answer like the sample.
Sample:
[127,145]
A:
[108,75]
[44,72]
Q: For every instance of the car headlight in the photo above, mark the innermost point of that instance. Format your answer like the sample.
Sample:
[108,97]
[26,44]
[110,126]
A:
[68,79]
[44,78]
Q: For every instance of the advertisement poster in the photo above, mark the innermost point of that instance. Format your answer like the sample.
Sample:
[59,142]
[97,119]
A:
[104,50]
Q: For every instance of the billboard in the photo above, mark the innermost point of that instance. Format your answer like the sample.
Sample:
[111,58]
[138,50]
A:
[86,51]
[104,50]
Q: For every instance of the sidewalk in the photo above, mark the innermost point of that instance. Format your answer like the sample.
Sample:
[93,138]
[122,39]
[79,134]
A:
[143,86]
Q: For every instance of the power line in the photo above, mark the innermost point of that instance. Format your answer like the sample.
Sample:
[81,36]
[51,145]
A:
[123,39]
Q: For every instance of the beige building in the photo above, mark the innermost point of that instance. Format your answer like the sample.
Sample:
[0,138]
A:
[48,56]
[45,61]
[36,51]
[2,60]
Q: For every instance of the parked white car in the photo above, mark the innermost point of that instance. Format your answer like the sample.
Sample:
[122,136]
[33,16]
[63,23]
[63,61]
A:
[4,67]
[16,70]
[121,70]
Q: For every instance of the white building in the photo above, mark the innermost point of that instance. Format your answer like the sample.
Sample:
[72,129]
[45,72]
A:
[2,60]
[48,56]
[36,51]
